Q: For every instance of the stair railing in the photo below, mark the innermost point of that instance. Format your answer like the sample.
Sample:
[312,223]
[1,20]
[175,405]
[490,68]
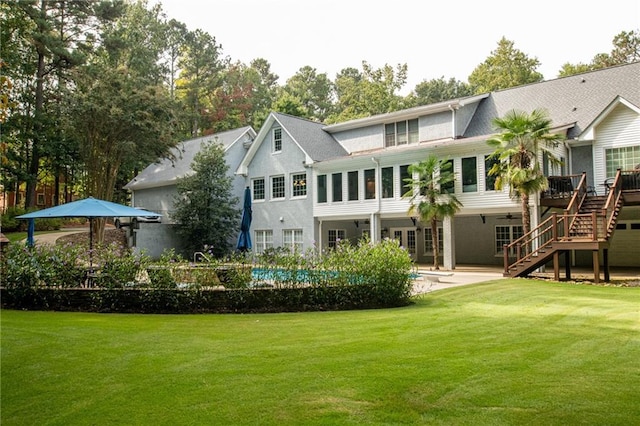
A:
[614,199]
[579,194]
[541,237]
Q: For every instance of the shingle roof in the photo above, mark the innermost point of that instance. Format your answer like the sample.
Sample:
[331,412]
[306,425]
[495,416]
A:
[166,171]
[575,99]
[317,143]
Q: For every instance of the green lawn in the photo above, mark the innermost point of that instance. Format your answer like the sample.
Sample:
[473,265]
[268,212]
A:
[19,236]
[505,352]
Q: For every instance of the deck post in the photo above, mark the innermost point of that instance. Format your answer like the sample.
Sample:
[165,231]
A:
[556,265]
[596,267]
[567,265]
[605,261]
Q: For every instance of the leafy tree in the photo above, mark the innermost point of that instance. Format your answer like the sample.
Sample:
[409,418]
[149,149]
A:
[368,93]
[202,66]
[626,50]
[438,90]
[41,40]
[313,90]
[523,137]
[506,67]
[204,204]
[289,104]
[265,85]
[429,198]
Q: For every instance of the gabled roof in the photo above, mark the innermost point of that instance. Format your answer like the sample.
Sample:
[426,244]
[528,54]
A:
[167,171]
[577,99]
[588,133]
[405,114]
[309,136]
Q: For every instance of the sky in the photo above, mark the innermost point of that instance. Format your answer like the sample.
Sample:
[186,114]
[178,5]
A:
[434,38]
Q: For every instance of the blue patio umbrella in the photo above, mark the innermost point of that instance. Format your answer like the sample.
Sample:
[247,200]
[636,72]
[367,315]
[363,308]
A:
[244,239]
[90,208]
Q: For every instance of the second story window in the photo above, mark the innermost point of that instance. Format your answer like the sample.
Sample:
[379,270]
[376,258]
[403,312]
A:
[277,140]
[277,187]
[322,188]
[352,184]
[387,182]
[299,185]
[401,133]
[258,189]
[370,184]
[336,184]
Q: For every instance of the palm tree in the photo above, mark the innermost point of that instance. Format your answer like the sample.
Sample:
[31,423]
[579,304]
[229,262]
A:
[518,148]
[430,199]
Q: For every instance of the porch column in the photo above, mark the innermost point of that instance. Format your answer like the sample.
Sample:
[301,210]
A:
[449,252]
[375,228]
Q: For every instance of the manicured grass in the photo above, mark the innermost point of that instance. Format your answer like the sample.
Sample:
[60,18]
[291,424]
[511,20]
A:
[19,236]
[505,352]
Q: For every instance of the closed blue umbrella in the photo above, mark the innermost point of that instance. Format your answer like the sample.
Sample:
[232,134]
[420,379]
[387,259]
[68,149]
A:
[244,239]
[30,231]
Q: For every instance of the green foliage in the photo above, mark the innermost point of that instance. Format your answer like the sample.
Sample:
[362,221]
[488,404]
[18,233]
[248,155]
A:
[430,196]
[522,139]
[205,211]
[626,50]
[506,67]
[437,90]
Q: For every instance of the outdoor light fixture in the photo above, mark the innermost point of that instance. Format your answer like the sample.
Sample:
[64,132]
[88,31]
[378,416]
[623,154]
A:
[483,217]
[356,223]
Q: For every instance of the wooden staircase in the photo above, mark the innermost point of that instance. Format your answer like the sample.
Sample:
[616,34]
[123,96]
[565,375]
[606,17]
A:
[587,223]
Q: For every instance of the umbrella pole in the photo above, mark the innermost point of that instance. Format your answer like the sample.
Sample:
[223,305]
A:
[91,245]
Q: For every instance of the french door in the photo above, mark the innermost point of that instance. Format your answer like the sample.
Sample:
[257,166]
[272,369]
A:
[407,239]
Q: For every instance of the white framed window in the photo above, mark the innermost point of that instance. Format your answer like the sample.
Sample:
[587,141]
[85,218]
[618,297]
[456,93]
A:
[625,158]
[277,140]
[489,180]
[401,133]
[277,187]
[258,189]
[506,234]
[470,174]
[322,188]
[428,240]
[292,239]
[263,240]
[335,235]
[299,185]
[40,199]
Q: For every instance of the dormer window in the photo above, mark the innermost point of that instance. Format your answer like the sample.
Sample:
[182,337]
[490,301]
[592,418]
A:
[277,140]
[401,133]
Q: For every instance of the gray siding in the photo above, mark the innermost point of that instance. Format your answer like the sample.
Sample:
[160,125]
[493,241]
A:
[296,213]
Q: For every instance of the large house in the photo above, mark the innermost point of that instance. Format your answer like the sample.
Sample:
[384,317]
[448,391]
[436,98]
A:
[155,187]
[314,184]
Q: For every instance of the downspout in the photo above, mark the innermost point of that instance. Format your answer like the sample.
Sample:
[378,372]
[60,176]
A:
[375,216]
[453,121]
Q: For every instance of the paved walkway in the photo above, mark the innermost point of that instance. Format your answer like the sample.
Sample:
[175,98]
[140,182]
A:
[462,275]
[51,237]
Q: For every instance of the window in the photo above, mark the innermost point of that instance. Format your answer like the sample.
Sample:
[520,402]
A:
[336,185]
[506,234]
[292,239]
[401,133]
[469,174]
[448,188]
[387,182]
[277,140]
[428,241]
[299,185]
[627,158]
[489,180]
[277,187]
[322,188]
[335,235]
[263,240]
[352,184]
[258,189]
[40,199]
[404,175]
[370,184]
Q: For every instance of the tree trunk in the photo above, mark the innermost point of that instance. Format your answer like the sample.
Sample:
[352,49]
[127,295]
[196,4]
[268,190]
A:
[435,243]
[526,214]
[34,165]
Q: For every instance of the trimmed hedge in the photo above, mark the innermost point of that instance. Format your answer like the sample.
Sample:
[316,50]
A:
[164,301]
